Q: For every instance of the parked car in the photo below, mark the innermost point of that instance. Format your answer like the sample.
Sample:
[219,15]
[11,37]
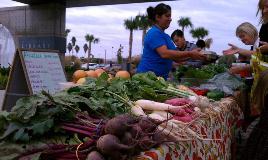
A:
[91,66]
[103,66]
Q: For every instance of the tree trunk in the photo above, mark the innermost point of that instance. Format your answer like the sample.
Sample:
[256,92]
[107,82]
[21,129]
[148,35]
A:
[143,36]
[89,54]
[130,49]
[130,44]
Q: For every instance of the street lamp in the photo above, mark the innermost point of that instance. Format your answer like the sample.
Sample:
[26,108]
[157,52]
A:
[104,56]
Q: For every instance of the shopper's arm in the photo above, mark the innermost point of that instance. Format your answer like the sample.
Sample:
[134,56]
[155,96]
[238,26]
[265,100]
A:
[178,55]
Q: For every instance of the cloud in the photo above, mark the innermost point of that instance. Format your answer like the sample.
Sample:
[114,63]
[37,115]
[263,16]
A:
[220,17]
[9,3]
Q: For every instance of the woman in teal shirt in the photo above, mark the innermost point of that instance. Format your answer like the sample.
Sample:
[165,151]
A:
[159,51]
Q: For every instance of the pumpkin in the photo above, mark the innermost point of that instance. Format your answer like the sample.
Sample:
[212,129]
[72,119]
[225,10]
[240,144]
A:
[99,71]
[81,81]
[122,74]
[79,74]
[91,74]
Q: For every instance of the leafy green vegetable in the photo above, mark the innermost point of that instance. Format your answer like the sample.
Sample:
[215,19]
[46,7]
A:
[206,72]
[26,107]
[215,95]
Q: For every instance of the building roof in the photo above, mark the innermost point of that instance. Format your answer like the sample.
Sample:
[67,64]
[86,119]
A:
[82,3]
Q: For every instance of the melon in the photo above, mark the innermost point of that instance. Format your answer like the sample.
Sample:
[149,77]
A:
[99,71]
[122,74]
[79,74]
[81,81]
[91,74]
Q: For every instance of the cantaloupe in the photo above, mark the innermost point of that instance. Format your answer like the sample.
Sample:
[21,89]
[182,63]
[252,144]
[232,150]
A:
[81,81]
[122,74]
[79,74]
[99,71]
[91,74]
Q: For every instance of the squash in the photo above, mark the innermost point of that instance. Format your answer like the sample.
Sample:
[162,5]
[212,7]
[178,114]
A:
[99,71]
[81,81]
[123,74]
[79,74]
[92,74]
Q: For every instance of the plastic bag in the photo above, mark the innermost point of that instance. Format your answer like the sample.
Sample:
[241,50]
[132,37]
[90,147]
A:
[224,82]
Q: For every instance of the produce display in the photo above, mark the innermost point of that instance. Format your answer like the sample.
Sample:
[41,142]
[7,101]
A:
[206,72]
[104,118]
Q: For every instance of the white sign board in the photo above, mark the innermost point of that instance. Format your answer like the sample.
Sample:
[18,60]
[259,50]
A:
[44,70]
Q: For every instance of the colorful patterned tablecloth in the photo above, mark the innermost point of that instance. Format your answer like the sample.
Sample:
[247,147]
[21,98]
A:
[222,127]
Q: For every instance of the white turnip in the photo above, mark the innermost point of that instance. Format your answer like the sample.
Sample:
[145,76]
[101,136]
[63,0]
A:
[154,106]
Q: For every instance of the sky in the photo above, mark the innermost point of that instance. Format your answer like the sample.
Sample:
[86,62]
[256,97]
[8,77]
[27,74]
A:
[219,17]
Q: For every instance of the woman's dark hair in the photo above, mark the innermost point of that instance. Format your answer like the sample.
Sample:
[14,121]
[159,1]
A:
[201,43]
[178,33]
[159,10]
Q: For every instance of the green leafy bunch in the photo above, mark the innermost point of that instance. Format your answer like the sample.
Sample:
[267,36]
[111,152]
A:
[37,115]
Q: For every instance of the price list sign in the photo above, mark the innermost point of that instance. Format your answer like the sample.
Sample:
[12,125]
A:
[44,71]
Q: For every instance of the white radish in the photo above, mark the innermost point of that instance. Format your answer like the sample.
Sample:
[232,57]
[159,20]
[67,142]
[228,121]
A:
[163,114]
[197,109]
[202,102]
[137,111]
[156,116]
[155,106]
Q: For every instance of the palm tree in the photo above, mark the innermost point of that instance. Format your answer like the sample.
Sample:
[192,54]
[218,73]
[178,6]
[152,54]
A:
[119,54]
[67,31]
[73,40]
[85,48]
[76,48]
[90,39]
[185,22]
[69,47]
[199,32]
[131,25]
[143,24]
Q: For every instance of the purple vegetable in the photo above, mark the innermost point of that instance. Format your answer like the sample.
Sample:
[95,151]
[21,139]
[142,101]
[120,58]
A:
[189,110]
[178,101]
[94,155]
[119,124]
[111,146]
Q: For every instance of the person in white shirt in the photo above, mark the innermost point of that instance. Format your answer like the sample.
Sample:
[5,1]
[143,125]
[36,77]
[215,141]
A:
[248,34]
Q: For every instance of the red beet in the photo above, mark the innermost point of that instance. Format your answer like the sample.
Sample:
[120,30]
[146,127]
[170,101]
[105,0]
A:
[110,145]
[177,101]
[119,124]
[94,155]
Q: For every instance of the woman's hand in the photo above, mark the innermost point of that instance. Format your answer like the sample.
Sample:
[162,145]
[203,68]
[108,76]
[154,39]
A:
[263,43]
[233,50]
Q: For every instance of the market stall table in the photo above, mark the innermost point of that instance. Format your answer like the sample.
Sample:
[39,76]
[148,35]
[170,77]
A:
[222,127]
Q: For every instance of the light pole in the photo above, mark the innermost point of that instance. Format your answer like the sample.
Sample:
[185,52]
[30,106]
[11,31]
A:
[104,56]
[112,52]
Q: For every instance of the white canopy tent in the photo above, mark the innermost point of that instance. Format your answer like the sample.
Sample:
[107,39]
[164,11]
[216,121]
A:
[7,47]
